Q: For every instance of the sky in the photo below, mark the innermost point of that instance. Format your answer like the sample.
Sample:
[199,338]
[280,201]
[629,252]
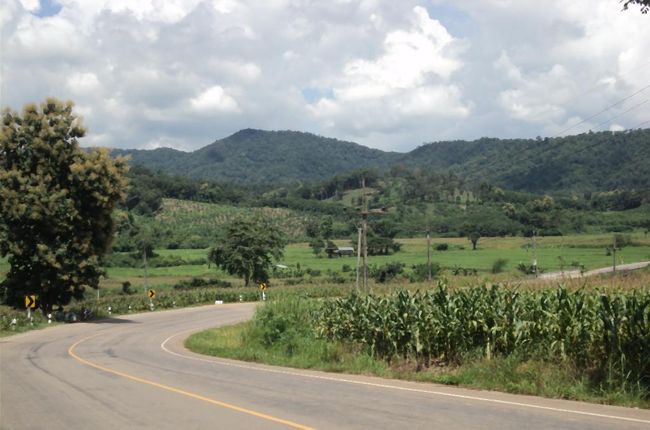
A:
[383,73]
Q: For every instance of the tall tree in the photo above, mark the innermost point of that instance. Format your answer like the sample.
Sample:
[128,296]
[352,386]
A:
[248,248]
[56,201]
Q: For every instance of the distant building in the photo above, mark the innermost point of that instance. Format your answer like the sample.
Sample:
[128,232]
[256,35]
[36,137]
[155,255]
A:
[344,250]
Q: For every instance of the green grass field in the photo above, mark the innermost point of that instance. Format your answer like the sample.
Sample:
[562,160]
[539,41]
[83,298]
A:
[587,250]
[552,252]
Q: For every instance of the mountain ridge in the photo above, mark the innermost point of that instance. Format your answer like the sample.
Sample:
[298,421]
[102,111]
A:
[586,162]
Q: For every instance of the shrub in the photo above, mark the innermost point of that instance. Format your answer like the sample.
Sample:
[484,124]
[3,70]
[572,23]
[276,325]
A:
[498,265]
[528,269]
[421,272]
[463,271]
[313,272]
[201,282]
[127,288]
[387,271]
[281,324]
[442,247]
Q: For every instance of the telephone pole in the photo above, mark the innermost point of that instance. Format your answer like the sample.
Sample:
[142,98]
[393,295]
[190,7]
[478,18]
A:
[429,253]
[534,253]
[358,256]
[144,257]
[614,254]
[364,233]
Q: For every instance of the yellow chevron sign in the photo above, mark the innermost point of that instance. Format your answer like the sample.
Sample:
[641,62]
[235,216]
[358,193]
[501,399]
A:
[30,301]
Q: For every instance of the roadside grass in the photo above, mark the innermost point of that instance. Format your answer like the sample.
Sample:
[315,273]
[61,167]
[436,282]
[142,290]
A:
[533,377]
[7,315]
[281,334]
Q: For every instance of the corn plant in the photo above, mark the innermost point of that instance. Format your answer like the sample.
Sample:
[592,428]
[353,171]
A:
[607,334]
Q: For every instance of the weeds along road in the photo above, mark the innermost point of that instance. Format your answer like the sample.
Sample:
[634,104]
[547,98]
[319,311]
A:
[132,372]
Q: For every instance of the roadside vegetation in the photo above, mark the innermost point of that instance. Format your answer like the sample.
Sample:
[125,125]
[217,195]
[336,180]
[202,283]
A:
[584,344]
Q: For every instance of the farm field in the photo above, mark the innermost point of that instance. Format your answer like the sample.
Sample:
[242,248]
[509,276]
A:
[587,250]
[552,342]
[196,220]
[553,253]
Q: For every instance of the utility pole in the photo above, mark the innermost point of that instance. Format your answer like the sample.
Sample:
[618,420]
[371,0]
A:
[614,254]
[364,230]
[429,253]
[358,256]
[534,253]
[144,257]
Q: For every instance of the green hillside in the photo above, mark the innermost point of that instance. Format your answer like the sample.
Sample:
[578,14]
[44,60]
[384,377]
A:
[586,162]
[263,157]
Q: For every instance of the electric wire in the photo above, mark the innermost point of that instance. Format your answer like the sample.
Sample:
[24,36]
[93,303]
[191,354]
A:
[622,113]
[618,102]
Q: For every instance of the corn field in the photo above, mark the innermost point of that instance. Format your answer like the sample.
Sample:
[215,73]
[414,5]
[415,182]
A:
[605,335]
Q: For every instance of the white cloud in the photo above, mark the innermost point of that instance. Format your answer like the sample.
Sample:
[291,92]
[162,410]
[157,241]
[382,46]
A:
[409,78]
[538,98]
[214,99]
[384,73]
[83,83]
[30,5]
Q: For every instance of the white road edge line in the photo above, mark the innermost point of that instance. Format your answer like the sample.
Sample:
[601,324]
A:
[163,346]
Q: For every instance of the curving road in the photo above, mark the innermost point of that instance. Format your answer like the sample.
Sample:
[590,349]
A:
[132,372]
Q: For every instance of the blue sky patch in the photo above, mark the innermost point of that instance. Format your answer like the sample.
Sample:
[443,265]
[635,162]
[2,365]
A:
[457,23]
[48,8]
[312,94]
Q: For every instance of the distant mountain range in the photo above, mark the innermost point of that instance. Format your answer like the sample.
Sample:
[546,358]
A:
[586,162]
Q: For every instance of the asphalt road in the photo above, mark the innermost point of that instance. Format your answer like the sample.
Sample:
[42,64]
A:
[132,372]
[573,274]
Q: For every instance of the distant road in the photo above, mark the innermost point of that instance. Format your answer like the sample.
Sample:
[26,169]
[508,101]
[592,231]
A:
[132,372]
[572,274]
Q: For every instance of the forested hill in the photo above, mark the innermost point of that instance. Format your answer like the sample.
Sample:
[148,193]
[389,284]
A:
[265,157]
[586,162]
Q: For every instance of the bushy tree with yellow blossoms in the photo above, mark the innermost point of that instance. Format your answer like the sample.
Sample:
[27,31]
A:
[56,201]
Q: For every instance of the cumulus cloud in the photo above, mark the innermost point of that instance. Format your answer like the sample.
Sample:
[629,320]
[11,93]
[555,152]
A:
[214,99]
[535,98]
[83,83]
[386,74]
[409,79]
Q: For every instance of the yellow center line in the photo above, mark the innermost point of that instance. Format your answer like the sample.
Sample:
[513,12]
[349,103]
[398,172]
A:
[72,353]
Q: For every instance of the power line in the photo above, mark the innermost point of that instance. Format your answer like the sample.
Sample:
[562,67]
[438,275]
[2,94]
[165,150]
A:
[619,75]
[534,155]
[623,113]
[602,111]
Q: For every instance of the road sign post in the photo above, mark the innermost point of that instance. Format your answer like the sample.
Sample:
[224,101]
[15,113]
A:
[30,303]
[152,295]
[263,287]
